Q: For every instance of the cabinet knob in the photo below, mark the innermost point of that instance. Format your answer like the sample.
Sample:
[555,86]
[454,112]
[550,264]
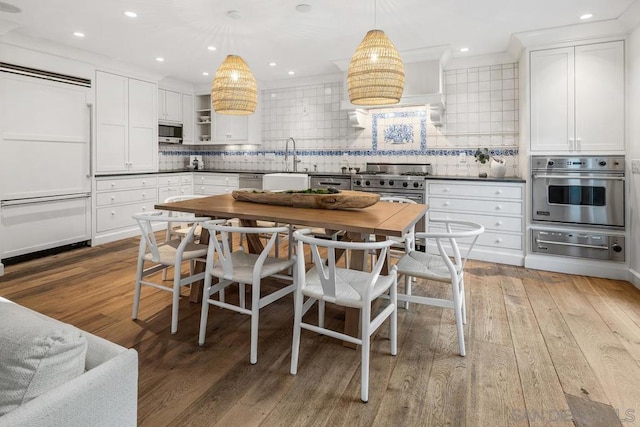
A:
[113,184]
[446,190]
[113,213]
[446,204]
[499,223]
[113,197]
[499,207]
[499,192]
[498,240]
[144,182]
[144,194]
[144,209]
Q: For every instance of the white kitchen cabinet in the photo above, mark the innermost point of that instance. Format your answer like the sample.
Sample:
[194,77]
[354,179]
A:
[171,185]
[212,184]
[222,129]
[170,106]
[230,129]
[577,98]
[499,207]
[126,124]
[117,199]
[187,119]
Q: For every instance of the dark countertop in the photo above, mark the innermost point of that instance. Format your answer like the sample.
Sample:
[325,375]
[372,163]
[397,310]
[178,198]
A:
[328,174]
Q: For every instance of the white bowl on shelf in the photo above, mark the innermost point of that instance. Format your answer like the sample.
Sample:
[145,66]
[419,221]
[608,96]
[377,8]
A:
[205,118]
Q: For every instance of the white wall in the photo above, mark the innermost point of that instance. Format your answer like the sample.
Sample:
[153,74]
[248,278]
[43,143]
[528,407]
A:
[633,150]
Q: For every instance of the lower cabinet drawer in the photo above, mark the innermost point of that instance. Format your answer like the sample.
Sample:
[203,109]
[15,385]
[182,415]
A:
[113,217]
[489,222]
[128,196]
[212,190]
[125,183]
[491,239]
[482,206]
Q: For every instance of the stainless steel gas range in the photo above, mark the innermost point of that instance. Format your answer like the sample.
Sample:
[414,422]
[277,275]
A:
[397,180]
[393,179]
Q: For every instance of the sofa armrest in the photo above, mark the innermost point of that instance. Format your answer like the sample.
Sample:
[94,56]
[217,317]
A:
[105,395]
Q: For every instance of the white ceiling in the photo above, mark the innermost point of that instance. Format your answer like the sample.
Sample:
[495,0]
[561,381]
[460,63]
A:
[272,30]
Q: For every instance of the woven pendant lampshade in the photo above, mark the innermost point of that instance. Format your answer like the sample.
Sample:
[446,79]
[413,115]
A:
[376,71]
[234,90]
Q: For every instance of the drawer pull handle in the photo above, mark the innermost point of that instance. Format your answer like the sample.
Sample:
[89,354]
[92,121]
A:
[498,240]
[144,182]
[144,209]
[144,194]
[113,212]
[499,207]
[113,184]
[446,190]
[499,192]
[446,203]
[499,223]
[113,197]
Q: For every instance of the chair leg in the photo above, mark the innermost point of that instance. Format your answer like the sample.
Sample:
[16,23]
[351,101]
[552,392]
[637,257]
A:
[407,289]
[255,319]
[320,313]
[393,322]
[176,298]
[457,309]
[297,319]
[365,322]
[204,313]
[136,291]
[241,294]
[464,301]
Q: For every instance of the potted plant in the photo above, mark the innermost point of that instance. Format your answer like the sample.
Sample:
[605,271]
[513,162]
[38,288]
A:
[498,165]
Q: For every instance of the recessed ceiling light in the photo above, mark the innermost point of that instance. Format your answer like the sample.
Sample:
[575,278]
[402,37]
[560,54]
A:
[204,73]
[130,14]
[78,34]
[291,73]
[160,59]
[9,8]
[272,64]
[234,14]
[464,49]
[212,48]
[303,7]
[586,16]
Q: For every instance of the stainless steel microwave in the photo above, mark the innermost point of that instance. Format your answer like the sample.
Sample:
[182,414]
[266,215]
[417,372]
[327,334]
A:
[169,133]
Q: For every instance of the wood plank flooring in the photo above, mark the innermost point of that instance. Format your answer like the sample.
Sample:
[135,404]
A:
[542,349]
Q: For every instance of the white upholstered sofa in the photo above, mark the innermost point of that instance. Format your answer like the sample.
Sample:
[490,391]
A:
[53,374]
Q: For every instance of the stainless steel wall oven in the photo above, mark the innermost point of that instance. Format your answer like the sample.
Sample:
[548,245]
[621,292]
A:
[579,205]
[586,190]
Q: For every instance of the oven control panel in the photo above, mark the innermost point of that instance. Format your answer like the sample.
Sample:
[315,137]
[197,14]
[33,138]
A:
[583,163]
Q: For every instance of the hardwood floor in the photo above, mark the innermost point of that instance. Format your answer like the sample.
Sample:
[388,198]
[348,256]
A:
[542,349]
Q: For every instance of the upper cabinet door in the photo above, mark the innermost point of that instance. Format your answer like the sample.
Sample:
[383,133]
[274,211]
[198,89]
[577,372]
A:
[599,80]
[552,98]
[577,99]
[187,117]
[169,106]
[112,122]
[143,127]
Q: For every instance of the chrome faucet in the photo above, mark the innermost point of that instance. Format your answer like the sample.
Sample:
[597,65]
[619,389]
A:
[295,155]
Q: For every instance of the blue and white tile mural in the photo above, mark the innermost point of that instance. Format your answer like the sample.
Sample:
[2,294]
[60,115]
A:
[481,112]
[402,130]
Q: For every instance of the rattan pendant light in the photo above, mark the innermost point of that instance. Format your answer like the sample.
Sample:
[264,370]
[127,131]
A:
[376,71]
[234,90]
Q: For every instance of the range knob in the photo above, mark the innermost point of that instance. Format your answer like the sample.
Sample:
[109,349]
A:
[358,182]
[602,163]
[416,184]
[367,183]
[616,247]
[391,182]
[405,184]
[382,182]
[551,163]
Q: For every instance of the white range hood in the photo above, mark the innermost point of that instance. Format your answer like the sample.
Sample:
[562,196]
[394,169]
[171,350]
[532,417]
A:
[423,84]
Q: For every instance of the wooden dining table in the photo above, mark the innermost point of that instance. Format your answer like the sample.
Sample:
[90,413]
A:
[383,219]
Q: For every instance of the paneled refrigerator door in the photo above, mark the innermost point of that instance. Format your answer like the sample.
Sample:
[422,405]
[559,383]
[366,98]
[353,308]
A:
[44,138]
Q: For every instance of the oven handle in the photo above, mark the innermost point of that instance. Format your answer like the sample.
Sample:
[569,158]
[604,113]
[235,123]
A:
[579,245]
[596,178]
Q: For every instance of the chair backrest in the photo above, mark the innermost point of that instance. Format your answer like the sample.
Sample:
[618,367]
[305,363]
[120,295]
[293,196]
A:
[183,197]
[463,230]
[222,244]
[327,271]
[394,199]
[179,214]
[148,241]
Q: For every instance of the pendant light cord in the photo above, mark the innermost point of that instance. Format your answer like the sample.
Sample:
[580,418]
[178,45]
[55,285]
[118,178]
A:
[375,14]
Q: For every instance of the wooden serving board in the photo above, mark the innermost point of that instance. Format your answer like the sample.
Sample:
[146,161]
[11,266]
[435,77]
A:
[342,200]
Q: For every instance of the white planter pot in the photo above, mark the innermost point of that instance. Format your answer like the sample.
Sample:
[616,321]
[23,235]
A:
[498,168]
